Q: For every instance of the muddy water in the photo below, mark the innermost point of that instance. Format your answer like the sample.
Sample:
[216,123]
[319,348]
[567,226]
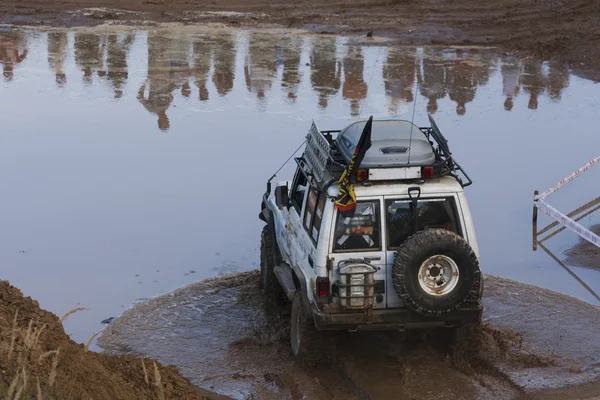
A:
[132,161]
[220,336]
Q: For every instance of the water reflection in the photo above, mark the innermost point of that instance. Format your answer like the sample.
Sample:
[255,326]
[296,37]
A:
[325,69]
[290,49]
[203,48]
[469,70]
[399,77]
[224,62]
[259,67]
[355,88]
[115,71]
[57,51]
[178,63]
[13,50]
[89,53]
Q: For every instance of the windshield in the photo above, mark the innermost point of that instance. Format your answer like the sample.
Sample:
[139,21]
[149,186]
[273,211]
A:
[403,219]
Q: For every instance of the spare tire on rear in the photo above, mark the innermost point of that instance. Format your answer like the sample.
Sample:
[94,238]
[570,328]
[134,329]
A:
[435,271]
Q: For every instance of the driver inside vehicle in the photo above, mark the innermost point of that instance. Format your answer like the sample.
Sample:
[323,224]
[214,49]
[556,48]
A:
[361,232]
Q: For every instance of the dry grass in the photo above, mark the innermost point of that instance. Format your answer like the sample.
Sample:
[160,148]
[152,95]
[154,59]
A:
[89,342]
[24,342]
[158,382]
[145,372]
[73,311]
[30,377]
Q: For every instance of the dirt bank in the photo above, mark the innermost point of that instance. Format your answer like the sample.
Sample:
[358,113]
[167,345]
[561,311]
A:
[241,350]
[39,360]
[566,29]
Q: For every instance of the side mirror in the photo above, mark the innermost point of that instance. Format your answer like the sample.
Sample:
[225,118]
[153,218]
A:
[282,198]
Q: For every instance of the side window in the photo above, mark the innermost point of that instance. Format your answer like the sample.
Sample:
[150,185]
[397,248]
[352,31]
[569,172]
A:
[362,232]
[314,213]
[299,189]
[316,228]
[430,213]
[311,204]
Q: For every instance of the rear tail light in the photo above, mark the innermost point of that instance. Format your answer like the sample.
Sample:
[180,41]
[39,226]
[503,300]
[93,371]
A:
[362,175]
[427,172]
[322,288]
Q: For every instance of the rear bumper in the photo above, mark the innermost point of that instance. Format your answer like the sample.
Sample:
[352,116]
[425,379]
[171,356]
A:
[392,319]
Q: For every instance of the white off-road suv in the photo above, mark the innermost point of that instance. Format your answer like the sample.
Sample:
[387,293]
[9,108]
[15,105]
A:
[406,259]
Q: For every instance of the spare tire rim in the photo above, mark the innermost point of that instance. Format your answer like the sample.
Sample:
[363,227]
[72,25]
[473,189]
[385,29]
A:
[438,275]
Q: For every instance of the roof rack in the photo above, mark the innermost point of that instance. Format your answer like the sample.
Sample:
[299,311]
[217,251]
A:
[323,161]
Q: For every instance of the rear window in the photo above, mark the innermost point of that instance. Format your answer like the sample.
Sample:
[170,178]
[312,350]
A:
[361,232]
[430,213]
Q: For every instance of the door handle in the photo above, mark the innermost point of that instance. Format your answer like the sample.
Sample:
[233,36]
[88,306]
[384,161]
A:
[372,258]
[311,262]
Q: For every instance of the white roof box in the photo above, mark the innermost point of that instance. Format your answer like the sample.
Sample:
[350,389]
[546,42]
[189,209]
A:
[392,144]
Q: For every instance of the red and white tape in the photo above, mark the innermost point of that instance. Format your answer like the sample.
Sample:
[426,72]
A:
[568,222]
[561,218]
[568,179]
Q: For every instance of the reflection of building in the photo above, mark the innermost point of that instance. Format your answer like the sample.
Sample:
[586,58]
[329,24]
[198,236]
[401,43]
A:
[89,51]
[202,48]
[467,72]
[158,84]
[325,68]
[13,50]
[355,88]
[57,51]
[224,62]
[291,47]
[511,70]
[432,79]
[117,48]
[399,76]
[259,69]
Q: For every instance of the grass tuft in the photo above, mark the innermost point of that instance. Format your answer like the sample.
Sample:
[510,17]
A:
[145,372]
[87,345]
[13,335]
[159,387]
[73,311]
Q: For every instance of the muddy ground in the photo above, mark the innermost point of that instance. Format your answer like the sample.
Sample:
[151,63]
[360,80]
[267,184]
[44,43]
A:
[564,29]
[39,360]
[221,337]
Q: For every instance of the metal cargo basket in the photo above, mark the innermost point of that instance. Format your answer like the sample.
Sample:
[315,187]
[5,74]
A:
[356,284]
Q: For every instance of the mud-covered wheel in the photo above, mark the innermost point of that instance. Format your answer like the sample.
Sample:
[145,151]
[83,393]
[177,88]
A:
[307,342]
[269,258]
[435,271]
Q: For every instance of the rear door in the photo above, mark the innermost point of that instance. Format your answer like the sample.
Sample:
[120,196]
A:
[399,218]
[361,237]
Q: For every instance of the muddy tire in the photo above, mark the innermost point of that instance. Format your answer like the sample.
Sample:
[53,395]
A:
[307,342]
[435,271]
[269,258]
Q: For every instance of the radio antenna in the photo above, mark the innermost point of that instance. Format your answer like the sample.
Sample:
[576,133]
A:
[412,122]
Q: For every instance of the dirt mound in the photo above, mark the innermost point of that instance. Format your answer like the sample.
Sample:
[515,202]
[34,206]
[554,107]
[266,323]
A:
[39,360]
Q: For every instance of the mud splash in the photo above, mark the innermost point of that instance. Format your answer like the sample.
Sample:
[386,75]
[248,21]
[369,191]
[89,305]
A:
[241,350]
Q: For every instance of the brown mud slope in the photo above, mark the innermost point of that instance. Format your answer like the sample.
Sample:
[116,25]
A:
[38,360]
[568,29]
